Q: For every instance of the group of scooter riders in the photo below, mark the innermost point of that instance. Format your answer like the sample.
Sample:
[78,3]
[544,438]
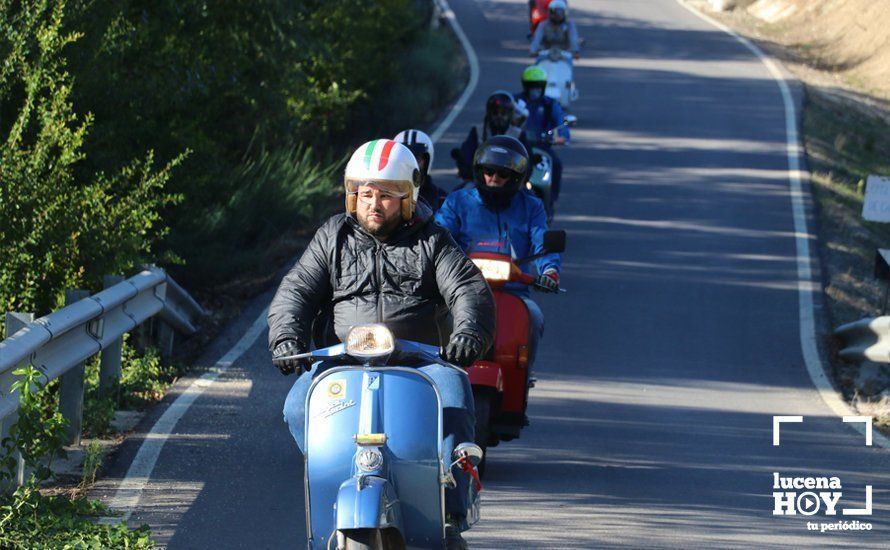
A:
[398,256]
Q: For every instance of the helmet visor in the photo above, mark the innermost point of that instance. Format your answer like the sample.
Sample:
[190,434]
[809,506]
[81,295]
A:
[501,157]
[387,188]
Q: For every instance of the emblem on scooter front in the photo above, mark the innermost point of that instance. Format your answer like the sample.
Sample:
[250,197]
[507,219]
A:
[336,389]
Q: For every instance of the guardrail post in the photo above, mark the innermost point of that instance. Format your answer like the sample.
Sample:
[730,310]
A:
[71,384]
[14,323]
[110,365]
[165,340]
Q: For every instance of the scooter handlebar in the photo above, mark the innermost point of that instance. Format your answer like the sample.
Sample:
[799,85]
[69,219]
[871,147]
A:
[525,278]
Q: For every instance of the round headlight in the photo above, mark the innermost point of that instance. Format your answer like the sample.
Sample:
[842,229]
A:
[369,341]
[369,460]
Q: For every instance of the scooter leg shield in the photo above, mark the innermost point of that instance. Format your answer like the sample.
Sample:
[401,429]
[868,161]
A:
[368,502]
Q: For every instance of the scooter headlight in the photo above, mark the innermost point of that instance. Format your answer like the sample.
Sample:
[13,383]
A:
[493,270]
[369,460]
[366,341]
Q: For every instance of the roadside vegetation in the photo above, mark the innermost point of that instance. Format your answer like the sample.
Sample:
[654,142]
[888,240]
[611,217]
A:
[839,52]
[202,137]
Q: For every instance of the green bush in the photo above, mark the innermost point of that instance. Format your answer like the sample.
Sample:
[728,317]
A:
[144,380]
[242,85]
[61,225]
[29,520]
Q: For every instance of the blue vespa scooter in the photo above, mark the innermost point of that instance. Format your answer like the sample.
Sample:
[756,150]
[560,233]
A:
[374,463]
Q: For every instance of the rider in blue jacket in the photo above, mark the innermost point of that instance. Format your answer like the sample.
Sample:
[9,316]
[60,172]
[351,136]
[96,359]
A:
[497,209]
[544,114]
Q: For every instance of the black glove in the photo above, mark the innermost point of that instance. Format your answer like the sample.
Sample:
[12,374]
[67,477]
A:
[462,350]
[288,366]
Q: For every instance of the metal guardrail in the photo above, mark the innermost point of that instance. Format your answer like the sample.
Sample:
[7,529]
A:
[866,340]
[59,342]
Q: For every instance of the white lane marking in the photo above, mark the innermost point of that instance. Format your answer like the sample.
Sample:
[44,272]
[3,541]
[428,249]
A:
[130,490]
[474,70]
[806,286]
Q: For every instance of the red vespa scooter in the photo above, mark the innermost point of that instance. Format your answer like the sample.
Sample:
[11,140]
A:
[537,12]
[501,381]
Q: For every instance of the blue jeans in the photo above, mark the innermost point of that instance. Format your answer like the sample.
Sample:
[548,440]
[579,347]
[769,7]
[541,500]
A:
[535,328]
[458,422]
[557,174]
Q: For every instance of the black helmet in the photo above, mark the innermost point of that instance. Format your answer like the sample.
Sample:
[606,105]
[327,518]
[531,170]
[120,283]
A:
[500,153]
[499,111]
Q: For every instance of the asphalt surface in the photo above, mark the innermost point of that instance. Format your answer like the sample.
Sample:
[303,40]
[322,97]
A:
[661,368]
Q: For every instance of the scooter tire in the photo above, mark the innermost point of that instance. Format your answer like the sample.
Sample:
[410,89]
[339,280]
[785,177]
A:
[360,539]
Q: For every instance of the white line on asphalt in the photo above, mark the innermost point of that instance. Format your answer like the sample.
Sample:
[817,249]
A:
[474,70]
[806,286]
[130,490]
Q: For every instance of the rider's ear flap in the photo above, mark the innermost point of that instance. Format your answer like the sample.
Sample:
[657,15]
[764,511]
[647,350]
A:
[351,202]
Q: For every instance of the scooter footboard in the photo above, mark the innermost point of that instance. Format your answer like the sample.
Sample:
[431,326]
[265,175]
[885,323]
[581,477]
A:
[368,502]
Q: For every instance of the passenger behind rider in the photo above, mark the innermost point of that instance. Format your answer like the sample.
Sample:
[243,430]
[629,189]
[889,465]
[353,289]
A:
[498,206]
[422,146]
[385,260]
[544,115]
[557,31]
[504,115]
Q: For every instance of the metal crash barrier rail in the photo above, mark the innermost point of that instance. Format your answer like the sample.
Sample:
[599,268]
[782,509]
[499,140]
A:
[59,343]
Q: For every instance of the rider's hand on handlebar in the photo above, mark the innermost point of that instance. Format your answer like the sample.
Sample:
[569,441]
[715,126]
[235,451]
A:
[559,140]
[288,366]
[548,281]
[462,350]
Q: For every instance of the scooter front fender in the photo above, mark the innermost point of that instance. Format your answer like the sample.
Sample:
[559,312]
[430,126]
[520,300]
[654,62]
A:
[368,502]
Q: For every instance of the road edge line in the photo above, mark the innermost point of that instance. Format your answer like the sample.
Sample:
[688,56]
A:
[130,489]
[472,59]
[806,286]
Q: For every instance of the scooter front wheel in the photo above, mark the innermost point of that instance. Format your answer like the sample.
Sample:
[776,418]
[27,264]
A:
[360,539]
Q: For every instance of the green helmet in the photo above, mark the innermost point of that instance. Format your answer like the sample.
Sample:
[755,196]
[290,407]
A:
[534,74]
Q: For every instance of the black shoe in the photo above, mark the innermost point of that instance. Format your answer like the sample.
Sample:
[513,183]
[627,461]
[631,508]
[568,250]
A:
[453,540]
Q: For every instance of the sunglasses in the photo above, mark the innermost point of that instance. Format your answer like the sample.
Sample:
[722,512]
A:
[502,173]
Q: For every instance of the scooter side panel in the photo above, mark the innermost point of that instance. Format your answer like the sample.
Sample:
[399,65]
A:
[334,404]
[486,373]
[412,425]
[509,336]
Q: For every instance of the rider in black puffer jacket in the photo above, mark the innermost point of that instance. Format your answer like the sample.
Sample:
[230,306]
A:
[410,281]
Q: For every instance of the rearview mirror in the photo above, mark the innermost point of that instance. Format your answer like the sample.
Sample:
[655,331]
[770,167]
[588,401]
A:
[555,241]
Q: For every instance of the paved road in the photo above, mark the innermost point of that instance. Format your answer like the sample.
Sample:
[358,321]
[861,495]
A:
[661,368]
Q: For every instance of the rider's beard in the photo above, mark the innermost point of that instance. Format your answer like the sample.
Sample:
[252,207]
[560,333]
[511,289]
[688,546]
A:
[381,229]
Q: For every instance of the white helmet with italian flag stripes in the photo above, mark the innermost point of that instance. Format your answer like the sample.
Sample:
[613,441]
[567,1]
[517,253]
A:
[387,165]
